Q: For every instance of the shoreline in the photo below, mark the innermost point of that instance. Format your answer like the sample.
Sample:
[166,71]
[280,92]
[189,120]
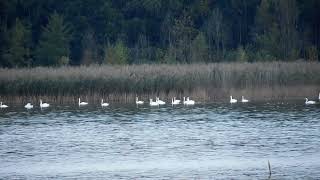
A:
[206,96]
[201,82]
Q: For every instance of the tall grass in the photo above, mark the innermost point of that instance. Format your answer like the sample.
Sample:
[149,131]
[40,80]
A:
[122,83]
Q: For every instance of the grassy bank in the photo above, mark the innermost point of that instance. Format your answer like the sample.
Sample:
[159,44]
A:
[204,82]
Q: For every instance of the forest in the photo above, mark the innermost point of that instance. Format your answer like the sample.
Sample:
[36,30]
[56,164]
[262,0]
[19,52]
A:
[80,32]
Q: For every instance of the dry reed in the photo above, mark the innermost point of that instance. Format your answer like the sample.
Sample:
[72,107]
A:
[201,81]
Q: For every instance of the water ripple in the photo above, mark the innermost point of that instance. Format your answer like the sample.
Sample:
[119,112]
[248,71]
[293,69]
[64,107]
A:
[127,142]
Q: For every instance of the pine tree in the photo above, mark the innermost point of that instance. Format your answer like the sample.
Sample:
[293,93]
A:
[17,53]
[53,48]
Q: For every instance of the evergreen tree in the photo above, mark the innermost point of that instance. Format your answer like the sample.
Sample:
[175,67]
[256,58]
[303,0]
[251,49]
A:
[288,22]
[241,55]
[276,35]
[89,49]
[217,33]
[141,51]
[183,32]
[309,24]
[157,30]
[199,49]
[17,53]
[116,54]
[53,48]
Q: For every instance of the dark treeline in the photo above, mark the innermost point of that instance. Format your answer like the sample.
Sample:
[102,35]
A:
[60,32]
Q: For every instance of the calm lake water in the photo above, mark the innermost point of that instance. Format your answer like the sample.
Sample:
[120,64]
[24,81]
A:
[205,141]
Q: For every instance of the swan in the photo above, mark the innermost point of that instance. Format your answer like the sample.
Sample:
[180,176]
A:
[28,106]
[244,100]
[174,101]
[3,105]
[188,101]
[184,100]
[138,102]
[82,103]
[44,105]
[104,104]
[160,102]
[309,102]
[152,103]
[233,100]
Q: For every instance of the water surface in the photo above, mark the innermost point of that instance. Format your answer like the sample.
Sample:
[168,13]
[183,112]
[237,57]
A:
[205,141]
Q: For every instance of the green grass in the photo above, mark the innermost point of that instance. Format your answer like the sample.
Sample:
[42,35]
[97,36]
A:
[120,83]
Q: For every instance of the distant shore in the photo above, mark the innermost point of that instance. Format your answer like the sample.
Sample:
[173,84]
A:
[202,82]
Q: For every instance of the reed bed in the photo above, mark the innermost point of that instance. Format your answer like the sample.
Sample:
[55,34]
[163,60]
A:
[203,82]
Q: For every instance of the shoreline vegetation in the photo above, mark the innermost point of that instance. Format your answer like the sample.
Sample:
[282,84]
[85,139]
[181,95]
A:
[203,82]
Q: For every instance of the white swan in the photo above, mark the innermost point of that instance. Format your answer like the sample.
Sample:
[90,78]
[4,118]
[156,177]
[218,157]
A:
[309,102]
[160,102]
[188,101]
[184,100]
[138,102]
[152,103]
[3,105]
[82,103]
[28,106]
[44,105]
[233,100]
[104,104]
[174,101]
[244,100]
